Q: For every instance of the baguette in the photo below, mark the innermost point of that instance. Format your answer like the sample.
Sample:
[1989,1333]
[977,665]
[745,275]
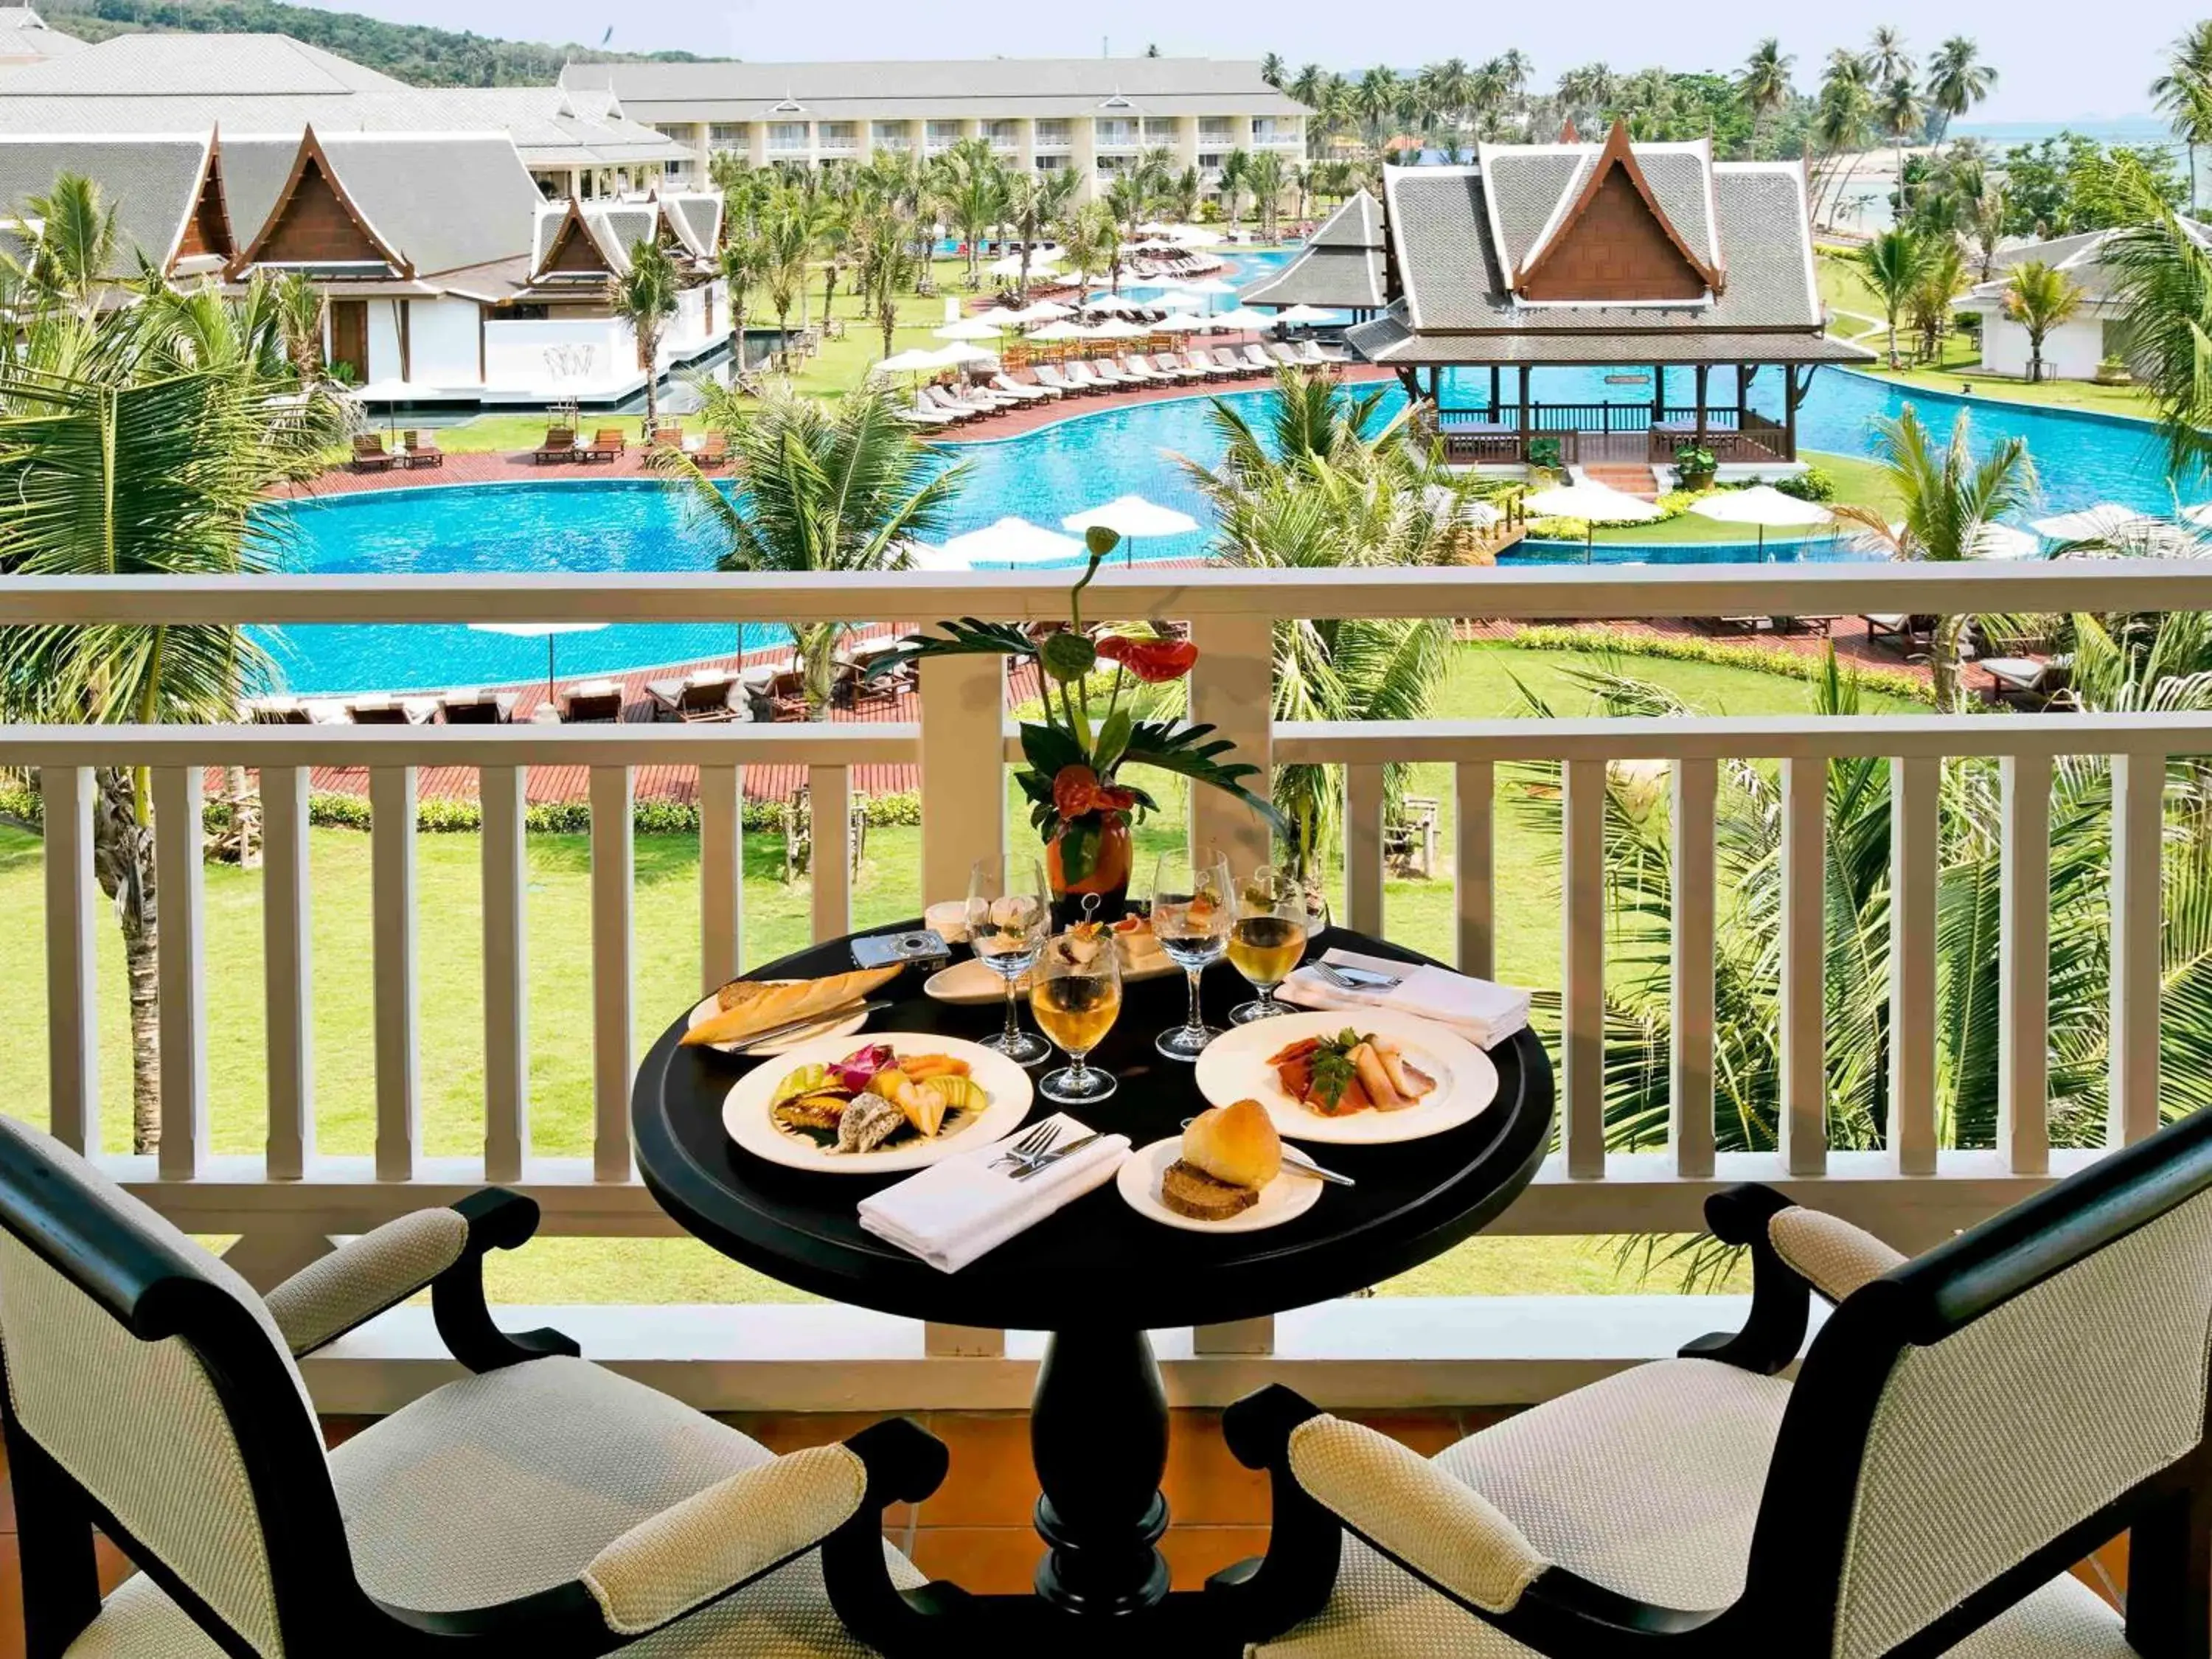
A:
[751,1006]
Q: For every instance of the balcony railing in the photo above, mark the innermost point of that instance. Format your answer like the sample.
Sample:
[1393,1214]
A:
[285,1201]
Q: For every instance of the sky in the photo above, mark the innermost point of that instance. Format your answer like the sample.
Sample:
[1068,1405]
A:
[2049,70]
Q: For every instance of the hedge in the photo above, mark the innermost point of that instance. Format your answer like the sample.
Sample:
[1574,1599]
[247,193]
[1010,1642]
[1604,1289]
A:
[1790,665]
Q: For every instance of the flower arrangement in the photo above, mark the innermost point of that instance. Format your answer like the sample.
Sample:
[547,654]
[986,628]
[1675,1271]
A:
[1079,801]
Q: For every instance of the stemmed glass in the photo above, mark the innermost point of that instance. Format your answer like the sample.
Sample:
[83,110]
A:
[1009,919]
[1075,991]
[1193,903]
[1267,940]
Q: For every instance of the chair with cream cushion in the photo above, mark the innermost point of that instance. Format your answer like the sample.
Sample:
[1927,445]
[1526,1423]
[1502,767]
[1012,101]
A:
[540,1505]
[1966,1426]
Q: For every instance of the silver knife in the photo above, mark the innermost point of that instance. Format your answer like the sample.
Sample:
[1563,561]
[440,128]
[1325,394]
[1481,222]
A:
[1056,1154]
[1305,1166]
[792,1027]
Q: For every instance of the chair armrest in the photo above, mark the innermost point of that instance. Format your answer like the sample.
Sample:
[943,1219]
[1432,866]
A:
[1831,1255]
[498,1220]
[1794,1251]
[359,1280]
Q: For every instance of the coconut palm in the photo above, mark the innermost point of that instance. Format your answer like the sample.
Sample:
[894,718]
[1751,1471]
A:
[643,297]
[1033,200]
[300,308]
[786,231]
[1127,199]
[1272,69]
[1950,499]
[1885,58]
[742,262]
[77,250]
[1842,120]
[1235,169]
[1266,177]
[1375,100]
[1903,115]
[2162,284]
[973,187]
[1892,264]
[2040,298]
[1928,307]
[2182,93]
[1764,85]
[827,486]
[1957,80]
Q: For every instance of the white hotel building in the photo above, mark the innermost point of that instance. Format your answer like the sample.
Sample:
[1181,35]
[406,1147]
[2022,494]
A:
[1095,115]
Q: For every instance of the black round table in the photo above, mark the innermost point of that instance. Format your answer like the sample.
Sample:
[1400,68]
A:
[1096,1275]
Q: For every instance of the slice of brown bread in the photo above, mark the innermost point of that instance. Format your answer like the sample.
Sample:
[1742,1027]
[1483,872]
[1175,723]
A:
[1189,1190]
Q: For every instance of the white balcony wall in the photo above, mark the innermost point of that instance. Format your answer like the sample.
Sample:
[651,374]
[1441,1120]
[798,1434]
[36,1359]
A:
[441,338]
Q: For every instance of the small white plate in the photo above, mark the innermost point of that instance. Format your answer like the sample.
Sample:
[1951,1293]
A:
[970,981]
[707,1007]
[1235,1067]
[1284,1199]
[745,1119]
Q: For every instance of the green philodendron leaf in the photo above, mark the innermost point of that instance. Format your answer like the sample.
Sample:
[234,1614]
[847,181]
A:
[1079,843]
[1048,749]
[967,637]
[1113,741]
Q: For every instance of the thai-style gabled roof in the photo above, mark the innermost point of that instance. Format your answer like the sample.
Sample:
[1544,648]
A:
[2080,258]
[156,185]
[1609,239]
[314,223]
[1341,267]
[207,233]
[697,216]
[573,244]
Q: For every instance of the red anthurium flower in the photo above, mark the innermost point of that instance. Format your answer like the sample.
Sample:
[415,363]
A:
[1076,790]
[1153,661]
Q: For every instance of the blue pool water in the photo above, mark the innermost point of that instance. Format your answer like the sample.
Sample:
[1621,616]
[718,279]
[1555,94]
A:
[611,526]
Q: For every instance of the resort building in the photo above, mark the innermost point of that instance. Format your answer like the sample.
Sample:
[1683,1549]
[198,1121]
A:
[1641,258]
[574,143]
[1342,266]
[1096,115]
[2075,348]
[27,38]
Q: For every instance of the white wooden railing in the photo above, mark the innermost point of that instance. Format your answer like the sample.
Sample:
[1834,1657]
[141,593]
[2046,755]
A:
[285,1204]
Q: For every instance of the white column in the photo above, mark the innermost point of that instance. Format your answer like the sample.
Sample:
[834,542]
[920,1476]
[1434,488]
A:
[1233,688]
[181,923]
[2138,823]
[963,772]
[392,902]
[507,973]
[72,968]
[1915,848]
[1804,1103]
[613,877]
[2024,965]
[1582,1036]
[286,969]
[1690,1052]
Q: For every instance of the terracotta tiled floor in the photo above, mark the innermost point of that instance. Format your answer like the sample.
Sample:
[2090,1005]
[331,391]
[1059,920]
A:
[976,1529]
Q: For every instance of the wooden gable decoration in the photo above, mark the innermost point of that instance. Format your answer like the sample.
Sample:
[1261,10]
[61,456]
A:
[1615,245]
[315,222]
[207,225]
[573,251]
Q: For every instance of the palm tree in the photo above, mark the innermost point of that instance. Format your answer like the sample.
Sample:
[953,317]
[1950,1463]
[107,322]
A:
[1376,101]
[1840,123]
[1764,85]
[301,309]
[1272,69]
[643,298]
[1903,117]
[827,486]
[1891,264]
[1885,58]
[787,238]
[1265,176]
[2039,299]
[2162,285]
[1942,279]
[1033,200]
[77,251]
[1949,500]
[1090,237]
[1236,167]
[1127,199]
[138,442]
[833,238]
[973,189]
[1449,89]
[2182,93]
[1957,80]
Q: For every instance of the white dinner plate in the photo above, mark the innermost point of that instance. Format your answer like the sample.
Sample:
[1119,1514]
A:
[745,1119]
[970,981]
[844,1025]
[1284,1199]
[1235,1067]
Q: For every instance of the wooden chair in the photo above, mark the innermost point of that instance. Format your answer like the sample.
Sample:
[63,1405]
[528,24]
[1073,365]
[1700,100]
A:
[1966,1426]
[421,449]
[470,706]
[591,700]
[541,1505]
[607,444]
[668,437]
[706,693]
[1907,635]
[559,444]
[369,454]
[713,451]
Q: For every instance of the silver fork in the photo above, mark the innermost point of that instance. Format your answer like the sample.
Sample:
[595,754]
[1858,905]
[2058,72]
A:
[1368,981]
[1030,1148]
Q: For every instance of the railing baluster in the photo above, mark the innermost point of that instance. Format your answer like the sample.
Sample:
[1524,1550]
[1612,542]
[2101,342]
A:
[1363,849]
[72,975]
[1804,1118]
[1914,851]
[2137,965]
[180,921]
[1475,790]
[1232,690]
[503,790]
[1582,1037]
[721,875]
[2024,965]
[391,897]
[287,971]
[830,794]
[612,874]
[963,770]
[1690,1079]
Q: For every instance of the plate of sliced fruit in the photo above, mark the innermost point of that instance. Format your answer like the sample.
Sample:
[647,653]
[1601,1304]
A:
[1351,1077]
[899,1102]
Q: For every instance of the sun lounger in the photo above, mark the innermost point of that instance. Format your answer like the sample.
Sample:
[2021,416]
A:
[369,454]
[1318,356]
[702,695]
[1902,633]
[1050,377]
[925,411]
[667,437]
[1135,363]
[277,711]
[989,400]
[1259,359]
[962,407]
[381,708]
[592,699]
[472,705]
[1199,364]
[607,444]
[1283,354]
[781,696]
[2025,683]
[421,450]
[715,452]
[1174,368]
[1028,394]
[559,444]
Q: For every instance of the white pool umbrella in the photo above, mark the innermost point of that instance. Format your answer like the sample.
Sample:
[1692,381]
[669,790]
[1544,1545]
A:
[960,353]
[1013,541]
[1046,311]
[1130,517]
[1210,285]
[1305,314]
[2004,541]
[535,630]
[923,555]
[1180,299]
[1121,328]
[1243,317]
[2103,522]
[1594,504]
[912,360]
[1054,332]
[1764,505]
[1118,304]
[967,328]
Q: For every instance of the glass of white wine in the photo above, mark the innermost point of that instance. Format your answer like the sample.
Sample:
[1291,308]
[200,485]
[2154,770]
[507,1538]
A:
[1193,903]
[1009,919]
[1075,991]
[1267,938]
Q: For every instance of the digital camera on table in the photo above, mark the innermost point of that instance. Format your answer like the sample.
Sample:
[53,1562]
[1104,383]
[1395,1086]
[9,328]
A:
[920,947]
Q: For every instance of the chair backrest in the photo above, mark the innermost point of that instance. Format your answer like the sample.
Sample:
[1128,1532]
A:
[152,1374]
[367,443]
[1977,1407]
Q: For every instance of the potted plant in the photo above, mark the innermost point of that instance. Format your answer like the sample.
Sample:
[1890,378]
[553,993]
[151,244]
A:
[1079,802]
[1545,454]
[1695,466]
[2114,370]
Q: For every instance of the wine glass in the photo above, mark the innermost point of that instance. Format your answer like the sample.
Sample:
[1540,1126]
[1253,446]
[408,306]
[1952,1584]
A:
[1267,938]
[1193,904]
[1009,919]
[1075,991]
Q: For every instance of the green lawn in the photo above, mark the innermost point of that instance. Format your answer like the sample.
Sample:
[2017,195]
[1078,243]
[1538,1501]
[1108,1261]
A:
[1482,682]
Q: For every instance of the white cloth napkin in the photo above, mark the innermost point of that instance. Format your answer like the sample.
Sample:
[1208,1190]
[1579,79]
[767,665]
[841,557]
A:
[1486,1014]
[960,1208]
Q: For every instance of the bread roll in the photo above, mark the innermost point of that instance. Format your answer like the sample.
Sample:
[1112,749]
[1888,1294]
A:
[1237,1144]
[751,1007]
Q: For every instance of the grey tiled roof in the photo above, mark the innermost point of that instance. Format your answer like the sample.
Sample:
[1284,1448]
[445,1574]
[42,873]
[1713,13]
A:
[1388,339]
[1528,185]
[2080,256]
[697,216]
[18,42]
[1340,266]
[1356,223]
[151,183]
[177,64]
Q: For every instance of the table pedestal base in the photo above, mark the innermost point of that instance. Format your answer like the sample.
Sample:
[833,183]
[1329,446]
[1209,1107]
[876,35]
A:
[1098,1435]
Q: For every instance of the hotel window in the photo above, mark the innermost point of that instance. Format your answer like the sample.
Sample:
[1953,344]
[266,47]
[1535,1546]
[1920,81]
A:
[787,135]
[1052,135]
[892,134]
[1002,134]
[1051,163]
[1162,129]
[1215,130]
[944,134]
[729,135]
[1118,134]
[1265,129]
[839,135]
[1209,161]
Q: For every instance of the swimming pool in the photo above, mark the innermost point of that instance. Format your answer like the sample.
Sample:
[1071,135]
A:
[614,525]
